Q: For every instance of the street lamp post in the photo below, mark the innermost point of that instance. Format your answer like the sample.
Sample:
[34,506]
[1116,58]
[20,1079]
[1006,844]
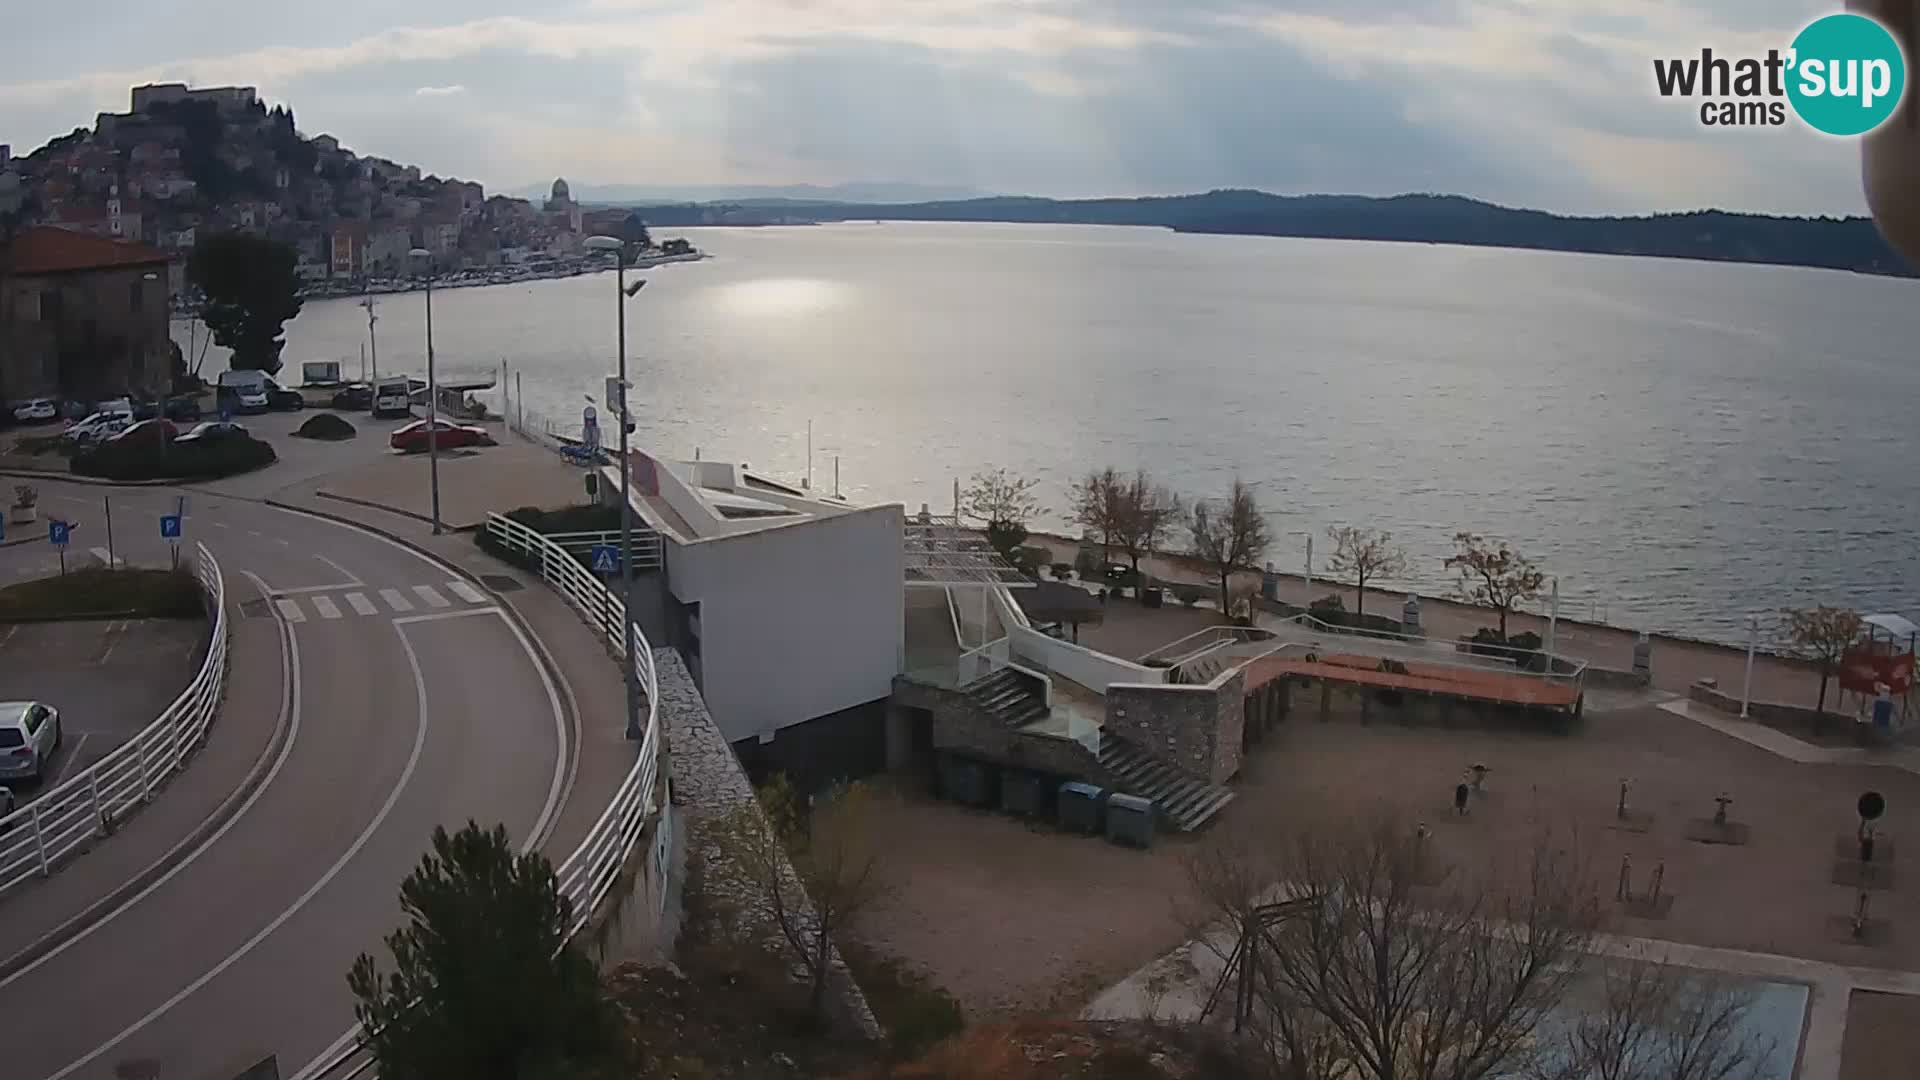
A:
[433,396]
[1753,643]
[621,293]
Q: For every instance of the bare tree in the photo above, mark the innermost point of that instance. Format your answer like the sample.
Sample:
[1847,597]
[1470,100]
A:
[1229,535]
[811,872]
[1003,502]
[1822,635]
[1493,575]
[1095,507]
[1364,969]
[1364,555]
[1145,514]
[1655,1021]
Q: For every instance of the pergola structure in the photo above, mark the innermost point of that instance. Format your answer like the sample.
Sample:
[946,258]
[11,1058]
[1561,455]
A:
[940,551]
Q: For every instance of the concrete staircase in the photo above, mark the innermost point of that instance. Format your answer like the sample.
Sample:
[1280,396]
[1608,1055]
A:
[1201,670]
[1010,696]
[1182,799]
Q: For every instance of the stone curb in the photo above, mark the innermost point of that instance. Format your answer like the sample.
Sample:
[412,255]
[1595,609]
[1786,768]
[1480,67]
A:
[99,909]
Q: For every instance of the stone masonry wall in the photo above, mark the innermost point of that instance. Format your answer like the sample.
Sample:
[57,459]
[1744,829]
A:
[1197,728]
[709,784]
[960,726]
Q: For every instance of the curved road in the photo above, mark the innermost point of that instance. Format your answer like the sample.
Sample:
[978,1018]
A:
[411,701]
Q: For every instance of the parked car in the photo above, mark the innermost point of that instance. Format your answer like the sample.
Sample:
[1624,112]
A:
[212,431]
[392,397]
[156,432]
[447,435]
[29,734]
[279,397]
[242,391]
[184,407]
[100,425]
[7,802]
[357,397]
[37,411]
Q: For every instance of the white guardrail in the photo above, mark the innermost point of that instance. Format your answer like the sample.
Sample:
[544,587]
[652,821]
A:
[93,802]
[589,874]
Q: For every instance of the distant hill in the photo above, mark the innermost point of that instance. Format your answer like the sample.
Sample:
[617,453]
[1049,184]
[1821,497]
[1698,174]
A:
[879,192]
[1826,242]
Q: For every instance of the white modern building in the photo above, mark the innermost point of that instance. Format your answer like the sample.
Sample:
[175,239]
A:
[788,607]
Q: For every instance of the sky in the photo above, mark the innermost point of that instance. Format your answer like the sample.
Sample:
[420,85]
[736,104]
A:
[1539,103]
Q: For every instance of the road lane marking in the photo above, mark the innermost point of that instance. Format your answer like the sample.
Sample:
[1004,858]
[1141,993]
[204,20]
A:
[106,557]
[396,601]
[239,954]
[289,718]
[360,604]
[290,610]
[442,616]
[325,606]
[344,572]
[113,639]
[8,636]
[466,592]
[432,596]
[218,524]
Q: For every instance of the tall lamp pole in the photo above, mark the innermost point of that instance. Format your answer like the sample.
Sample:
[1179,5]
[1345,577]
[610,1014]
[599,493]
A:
[621,294]
[433,396]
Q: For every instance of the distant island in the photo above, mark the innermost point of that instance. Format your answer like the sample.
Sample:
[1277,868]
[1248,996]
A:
[1825,242]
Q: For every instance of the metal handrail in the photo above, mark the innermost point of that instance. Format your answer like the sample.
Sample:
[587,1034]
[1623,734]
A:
[593,869]
[93,802]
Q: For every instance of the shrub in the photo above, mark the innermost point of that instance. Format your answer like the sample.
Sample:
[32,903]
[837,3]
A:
[327,426]
[1061,570]
[1328,603]
[591,517]
[199,460]
[97,591]
[1086,564]
[1189,594]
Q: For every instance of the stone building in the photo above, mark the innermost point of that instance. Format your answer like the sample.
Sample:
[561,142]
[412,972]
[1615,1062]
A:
[81,316]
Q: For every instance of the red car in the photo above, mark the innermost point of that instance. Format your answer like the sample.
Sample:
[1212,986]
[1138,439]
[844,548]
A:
[155,433]
[447,436]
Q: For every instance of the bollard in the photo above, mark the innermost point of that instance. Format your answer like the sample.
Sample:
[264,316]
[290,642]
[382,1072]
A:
[1621,811]
[1460,794]
[1624,890]
[1720,815]
[1659,877]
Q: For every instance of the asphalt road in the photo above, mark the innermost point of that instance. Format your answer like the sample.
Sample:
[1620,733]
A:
[412,702]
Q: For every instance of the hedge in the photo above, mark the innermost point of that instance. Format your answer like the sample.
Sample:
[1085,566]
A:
[198,460]
[592,517]
[98,591]
[327,426]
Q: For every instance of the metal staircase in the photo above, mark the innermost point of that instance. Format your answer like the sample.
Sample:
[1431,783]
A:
[1184,800]
[1009,696]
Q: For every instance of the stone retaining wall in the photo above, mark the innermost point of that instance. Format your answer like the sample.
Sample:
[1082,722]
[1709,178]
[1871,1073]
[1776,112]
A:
[709,784]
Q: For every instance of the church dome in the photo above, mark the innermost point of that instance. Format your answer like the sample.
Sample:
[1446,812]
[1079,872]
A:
[560,193]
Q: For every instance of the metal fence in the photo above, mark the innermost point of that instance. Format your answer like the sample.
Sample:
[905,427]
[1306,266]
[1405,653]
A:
[93,802]
[589,874]
[646,545]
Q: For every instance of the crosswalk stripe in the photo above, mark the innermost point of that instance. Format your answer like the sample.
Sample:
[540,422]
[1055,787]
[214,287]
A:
[361,605]
[431,596]
[325,606]
[396,601]
[466,592]
[290,610]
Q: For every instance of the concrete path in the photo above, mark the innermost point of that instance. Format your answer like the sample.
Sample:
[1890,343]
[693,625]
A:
[1783,745]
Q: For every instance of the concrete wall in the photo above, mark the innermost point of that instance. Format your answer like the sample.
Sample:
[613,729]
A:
[798,620]
[1706,693]
[1197,728]
[962,727]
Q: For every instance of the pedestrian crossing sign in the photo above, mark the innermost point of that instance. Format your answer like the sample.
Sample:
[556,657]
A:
[606,559]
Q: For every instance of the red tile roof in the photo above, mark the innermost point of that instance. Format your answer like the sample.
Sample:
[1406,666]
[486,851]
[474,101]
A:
[44,249]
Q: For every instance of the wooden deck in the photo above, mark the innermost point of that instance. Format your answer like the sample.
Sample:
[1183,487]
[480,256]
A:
[1471,684]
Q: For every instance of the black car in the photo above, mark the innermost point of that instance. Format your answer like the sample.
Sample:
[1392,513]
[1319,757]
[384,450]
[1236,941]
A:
[145,410]
[357,397]
[212,431]
[185,407]
[279,397]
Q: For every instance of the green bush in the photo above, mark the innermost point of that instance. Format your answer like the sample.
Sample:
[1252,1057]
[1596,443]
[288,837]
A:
[328,426]
[1189,594]
[97,591]
[1061,570]
[1329,603]
[1086,564]
[198,460]
[592,517]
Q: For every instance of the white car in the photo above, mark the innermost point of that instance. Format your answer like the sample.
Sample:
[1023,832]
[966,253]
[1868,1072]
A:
[35,411]
[29,734]
[100,425]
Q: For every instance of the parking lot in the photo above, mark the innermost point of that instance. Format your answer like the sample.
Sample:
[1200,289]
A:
[108,679]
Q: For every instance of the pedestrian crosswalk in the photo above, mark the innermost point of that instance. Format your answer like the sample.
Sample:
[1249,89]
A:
[376,602]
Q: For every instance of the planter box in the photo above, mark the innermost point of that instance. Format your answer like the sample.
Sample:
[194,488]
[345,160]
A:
[23,515]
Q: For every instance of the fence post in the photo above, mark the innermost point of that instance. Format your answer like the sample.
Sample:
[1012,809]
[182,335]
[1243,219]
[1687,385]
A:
[99,810]
[146,782]
[40,842]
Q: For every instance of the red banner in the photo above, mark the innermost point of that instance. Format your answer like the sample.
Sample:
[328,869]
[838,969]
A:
[1865,669]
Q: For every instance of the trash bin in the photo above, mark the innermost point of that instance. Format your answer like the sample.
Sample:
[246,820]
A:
[1269,583]
[1152,596]
[1081,806]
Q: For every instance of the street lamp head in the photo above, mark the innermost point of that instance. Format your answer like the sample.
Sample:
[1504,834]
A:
[605,243]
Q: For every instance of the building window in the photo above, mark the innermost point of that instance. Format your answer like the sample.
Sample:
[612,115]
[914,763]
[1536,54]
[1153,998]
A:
[134,296]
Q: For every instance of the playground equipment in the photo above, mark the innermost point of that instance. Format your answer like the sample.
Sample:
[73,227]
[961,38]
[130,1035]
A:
[1876,672]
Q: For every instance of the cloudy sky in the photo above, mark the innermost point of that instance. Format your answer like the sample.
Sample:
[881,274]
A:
[1545,103]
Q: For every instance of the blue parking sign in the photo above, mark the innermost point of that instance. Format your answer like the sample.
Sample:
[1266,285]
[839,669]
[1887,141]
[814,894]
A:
[57,533]
[605,559]
[169,526]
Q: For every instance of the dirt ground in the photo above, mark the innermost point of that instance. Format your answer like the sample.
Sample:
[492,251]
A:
[1883,1037]
[1008,916]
